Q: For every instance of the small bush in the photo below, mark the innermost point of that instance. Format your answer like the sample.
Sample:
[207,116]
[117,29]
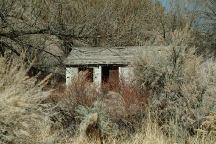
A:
[67,98]
[103,122]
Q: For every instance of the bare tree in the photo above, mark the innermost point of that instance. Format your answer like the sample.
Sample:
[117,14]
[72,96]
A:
[29,25]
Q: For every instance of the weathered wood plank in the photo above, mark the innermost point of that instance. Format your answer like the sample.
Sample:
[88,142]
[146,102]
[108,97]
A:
[106,55]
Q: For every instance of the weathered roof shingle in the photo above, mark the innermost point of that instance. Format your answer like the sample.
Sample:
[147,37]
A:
[103,56]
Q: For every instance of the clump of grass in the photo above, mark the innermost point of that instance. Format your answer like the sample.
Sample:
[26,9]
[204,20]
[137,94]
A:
[208,126]
[103,123]
[23,117]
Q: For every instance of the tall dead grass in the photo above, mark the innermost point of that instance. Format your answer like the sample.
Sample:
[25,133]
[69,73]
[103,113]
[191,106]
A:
[23,117]
[149,133]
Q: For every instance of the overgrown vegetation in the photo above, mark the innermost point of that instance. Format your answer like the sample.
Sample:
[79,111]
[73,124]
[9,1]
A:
[171,100]
[180,107]
[23,116]
[182,86]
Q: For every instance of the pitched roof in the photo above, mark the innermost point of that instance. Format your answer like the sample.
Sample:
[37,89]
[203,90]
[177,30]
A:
[103,56]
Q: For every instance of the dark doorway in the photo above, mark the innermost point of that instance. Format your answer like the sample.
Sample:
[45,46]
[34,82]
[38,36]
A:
[110,77]
[105,74]
[88,72]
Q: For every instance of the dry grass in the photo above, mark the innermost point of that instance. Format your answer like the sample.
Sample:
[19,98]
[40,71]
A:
[68,98]
[181,83]
[122,111]
[149,133]
[23,118]
[135,100]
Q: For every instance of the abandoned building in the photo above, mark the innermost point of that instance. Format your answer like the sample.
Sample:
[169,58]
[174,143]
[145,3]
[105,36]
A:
[103,64]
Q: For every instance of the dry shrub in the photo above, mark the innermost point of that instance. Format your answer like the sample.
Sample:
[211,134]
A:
[149,133]
[133,96]
[111,85]
[68,98]
[152,133]
[83,91]
[23,116]
[119,110]
[130,92]
[135,102]
[102,127]
[125,104]
[79,100]
[209,125]
[181,83]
